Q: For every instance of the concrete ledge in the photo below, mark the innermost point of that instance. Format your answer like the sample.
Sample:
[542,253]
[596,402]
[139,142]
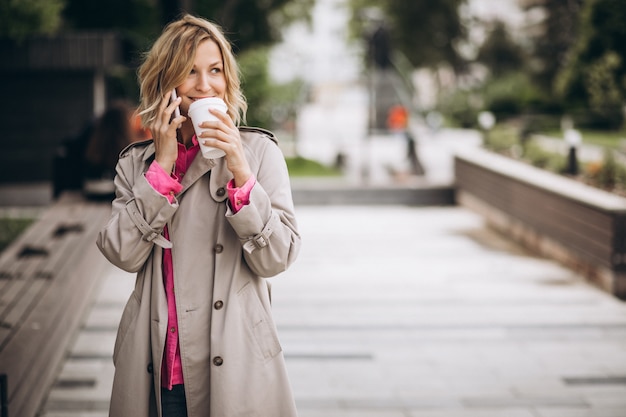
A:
[578,225]
[37,194]
[443,195]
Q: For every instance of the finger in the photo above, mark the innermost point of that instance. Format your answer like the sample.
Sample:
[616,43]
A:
[156,125]
[178,121]
[212,133]
[224,117]
[174,104]
[213,128]
[165,101]
[169,110]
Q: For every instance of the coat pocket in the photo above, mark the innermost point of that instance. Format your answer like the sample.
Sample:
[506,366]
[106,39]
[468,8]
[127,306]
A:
[128,317]
[259,322]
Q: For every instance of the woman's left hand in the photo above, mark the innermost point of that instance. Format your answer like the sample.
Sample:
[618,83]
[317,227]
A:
[223,134]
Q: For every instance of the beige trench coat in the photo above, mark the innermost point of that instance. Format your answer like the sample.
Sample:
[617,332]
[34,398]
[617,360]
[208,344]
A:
[232,360]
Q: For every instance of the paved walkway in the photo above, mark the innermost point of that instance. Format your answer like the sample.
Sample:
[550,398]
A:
[410,312]
[395,311]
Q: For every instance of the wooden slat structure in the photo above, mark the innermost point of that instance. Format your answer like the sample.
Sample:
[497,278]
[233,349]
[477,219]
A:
[579,225]
[66,51]
[58,85]
[47,278]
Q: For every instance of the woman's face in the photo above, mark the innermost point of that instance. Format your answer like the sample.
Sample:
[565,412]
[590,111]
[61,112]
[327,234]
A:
[206,78]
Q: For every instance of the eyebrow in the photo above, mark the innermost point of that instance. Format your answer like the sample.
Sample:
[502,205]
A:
[213,64]
[219,62]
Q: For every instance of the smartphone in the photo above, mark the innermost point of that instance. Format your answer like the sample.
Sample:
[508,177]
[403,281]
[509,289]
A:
[173,97]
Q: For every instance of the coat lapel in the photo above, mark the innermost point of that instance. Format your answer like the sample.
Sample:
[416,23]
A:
[198,168]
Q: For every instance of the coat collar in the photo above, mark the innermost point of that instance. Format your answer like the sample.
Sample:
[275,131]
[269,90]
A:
[219,176]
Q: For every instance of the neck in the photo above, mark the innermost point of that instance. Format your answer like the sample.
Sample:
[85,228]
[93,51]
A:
[185,133]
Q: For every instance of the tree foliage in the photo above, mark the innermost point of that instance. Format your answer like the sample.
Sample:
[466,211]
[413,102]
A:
[137,17]
[427,32]
[22,18]
[561,28]
[594,74]
[500,53]
[251,23]
[247,23]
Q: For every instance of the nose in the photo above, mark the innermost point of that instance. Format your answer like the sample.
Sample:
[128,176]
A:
[203,84]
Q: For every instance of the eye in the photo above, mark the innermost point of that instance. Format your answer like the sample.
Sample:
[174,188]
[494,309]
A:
[216,70]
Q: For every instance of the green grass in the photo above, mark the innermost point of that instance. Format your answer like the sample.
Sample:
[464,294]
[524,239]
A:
[609,139]
[607,174]
[10,229]
[502,138]
[302,167]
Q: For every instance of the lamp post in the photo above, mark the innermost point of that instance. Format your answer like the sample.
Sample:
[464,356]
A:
[486,121]
[377,50]
[573,139]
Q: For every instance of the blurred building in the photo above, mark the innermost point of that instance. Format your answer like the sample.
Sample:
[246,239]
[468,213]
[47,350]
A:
[319,52]
[52,89]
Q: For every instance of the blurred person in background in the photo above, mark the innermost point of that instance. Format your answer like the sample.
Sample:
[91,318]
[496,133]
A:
[112,132]
[398,124]
[86,161]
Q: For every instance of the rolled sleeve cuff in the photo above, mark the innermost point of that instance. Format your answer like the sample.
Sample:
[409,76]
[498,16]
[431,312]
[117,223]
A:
[162,182]
[240,197]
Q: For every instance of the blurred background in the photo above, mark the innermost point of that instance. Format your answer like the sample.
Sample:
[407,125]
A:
[325,75]
[359,92]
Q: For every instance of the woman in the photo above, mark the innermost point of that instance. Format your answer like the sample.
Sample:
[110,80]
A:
[197,337]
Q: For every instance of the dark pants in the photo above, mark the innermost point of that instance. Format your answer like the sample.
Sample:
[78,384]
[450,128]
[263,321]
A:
[173,402]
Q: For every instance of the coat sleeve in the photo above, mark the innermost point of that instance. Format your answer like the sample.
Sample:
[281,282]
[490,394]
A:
[267,226]
[139,214]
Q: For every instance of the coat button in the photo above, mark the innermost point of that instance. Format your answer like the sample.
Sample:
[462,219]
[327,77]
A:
[218,361]
[219,248]
[218,304]
[150,368]
[221,192]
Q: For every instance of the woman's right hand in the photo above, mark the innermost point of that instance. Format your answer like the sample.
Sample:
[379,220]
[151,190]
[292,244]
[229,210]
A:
[164,133]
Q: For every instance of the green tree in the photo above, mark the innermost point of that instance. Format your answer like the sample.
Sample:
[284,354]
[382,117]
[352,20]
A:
[256,85]
[270,104]
[249,23]
[136,18]
[500,53]
[594,75]
[559,34]
[22,18]
[252,26]
[428,33]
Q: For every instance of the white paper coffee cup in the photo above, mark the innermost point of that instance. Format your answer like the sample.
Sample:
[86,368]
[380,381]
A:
[199,113]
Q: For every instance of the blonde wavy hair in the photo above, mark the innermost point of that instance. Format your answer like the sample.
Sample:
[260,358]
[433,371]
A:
[170,60]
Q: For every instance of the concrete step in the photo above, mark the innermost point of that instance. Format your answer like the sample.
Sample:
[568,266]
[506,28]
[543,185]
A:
[342,194]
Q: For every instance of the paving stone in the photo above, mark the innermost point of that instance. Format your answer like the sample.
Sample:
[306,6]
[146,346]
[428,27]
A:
[502,412]
[350,413]
[579,412]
